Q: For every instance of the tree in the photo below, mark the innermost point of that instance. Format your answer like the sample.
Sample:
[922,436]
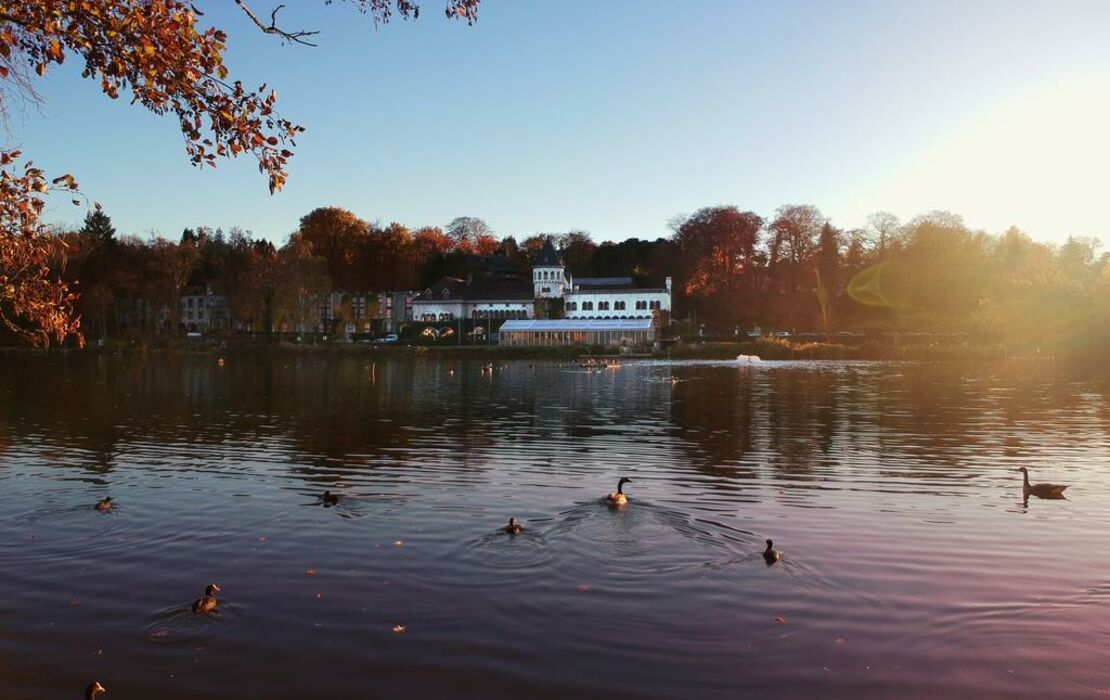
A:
[827,272]
[339,237]
[472,235]
[794,234]
[717,250]
[98,226]
[157,51]
[885,227]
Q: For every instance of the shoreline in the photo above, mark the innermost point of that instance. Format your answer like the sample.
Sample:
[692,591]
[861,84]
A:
[766,349]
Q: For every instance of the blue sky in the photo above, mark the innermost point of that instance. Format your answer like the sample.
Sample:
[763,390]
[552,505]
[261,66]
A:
[614,116]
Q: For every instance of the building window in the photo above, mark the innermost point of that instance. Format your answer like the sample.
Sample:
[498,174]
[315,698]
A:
[190,302]
[572,306]
[618,306]
[602,306]
[641,305]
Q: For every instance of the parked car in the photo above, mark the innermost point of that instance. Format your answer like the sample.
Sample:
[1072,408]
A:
[387,339]
[782,334]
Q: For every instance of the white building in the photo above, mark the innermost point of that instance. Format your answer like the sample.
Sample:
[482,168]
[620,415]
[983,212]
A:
[451,299]
[583,297]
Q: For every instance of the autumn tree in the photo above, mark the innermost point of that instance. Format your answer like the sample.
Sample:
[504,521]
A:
[717,248]
[471,235]
[159,52]
[793,239]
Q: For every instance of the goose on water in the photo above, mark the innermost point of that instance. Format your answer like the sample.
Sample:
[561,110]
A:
[207,603]
[617,498]
[1040,490]
[513,528]
[329,498]
[93,689]
[105,504]
[770,555]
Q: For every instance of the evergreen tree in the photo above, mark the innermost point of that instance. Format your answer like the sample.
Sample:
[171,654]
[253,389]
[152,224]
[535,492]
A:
[99,226]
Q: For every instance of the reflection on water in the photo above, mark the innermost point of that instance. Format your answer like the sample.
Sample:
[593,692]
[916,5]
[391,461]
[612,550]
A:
[912,567]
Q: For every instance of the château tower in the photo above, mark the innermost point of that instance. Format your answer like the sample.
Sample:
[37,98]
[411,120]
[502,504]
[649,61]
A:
[548,273]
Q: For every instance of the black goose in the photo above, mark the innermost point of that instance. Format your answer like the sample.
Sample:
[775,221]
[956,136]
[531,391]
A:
[329,498]
[513,528]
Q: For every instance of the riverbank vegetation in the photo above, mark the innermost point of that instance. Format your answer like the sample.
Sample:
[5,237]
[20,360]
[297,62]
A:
[795,273]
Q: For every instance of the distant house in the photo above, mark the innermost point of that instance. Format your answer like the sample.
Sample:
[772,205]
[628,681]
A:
[596,297]
[393,311]
[204,312]
[450,299]
[498,294]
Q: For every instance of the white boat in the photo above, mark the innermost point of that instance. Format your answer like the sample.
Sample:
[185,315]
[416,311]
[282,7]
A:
[748,359]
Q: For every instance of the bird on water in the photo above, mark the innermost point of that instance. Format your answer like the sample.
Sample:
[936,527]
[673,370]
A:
[207,603]
[771,555]
[329,498]
[94,689]
[513,528]
[1040,490]
[617,498]
[104,504]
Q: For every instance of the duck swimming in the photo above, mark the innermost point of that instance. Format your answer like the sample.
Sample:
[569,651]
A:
[1040,490]
[770,555]
[93,690]
[207,604]
[329,498]
[105,504]
[617,498]
[513,528]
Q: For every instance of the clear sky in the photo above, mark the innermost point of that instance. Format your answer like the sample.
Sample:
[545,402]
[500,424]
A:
[614,116]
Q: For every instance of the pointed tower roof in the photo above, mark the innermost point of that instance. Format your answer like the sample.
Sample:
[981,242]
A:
[548,257]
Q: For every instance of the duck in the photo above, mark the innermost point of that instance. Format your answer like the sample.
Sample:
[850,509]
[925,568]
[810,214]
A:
[1040,490]
[513,528]
[93,689]
[617,498]
[208,603]
[104,504]
[771,555]
[329,498]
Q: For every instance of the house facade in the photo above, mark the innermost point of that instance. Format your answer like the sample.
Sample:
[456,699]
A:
[502,297]
[203,312]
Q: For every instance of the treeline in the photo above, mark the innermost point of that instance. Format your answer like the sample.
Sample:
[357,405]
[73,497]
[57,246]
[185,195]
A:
[733,269]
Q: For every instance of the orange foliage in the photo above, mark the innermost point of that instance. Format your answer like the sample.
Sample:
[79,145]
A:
[156,50]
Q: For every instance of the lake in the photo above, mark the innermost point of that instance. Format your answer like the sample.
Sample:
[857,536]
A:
[911,566]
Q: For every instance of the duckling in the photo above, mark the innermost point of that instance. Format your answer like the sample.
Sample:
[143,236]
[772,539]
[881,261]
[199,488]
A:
[770,555]
[207,604]
[513,528]
[1040,490]
[618,498]
[93,689]
[329,498]
[105,504]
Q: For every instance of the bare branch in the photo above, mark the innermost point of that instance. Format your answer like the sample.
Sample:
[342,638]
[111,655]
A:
[297,37]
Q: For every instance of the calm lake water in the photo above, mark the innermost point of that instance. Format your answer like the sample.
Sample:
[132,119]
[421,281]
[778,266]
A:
[911,569]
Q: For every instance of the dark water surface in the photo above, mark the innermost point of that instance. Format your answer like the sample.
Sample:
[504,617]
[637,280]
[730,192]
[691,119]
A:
[911,568]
